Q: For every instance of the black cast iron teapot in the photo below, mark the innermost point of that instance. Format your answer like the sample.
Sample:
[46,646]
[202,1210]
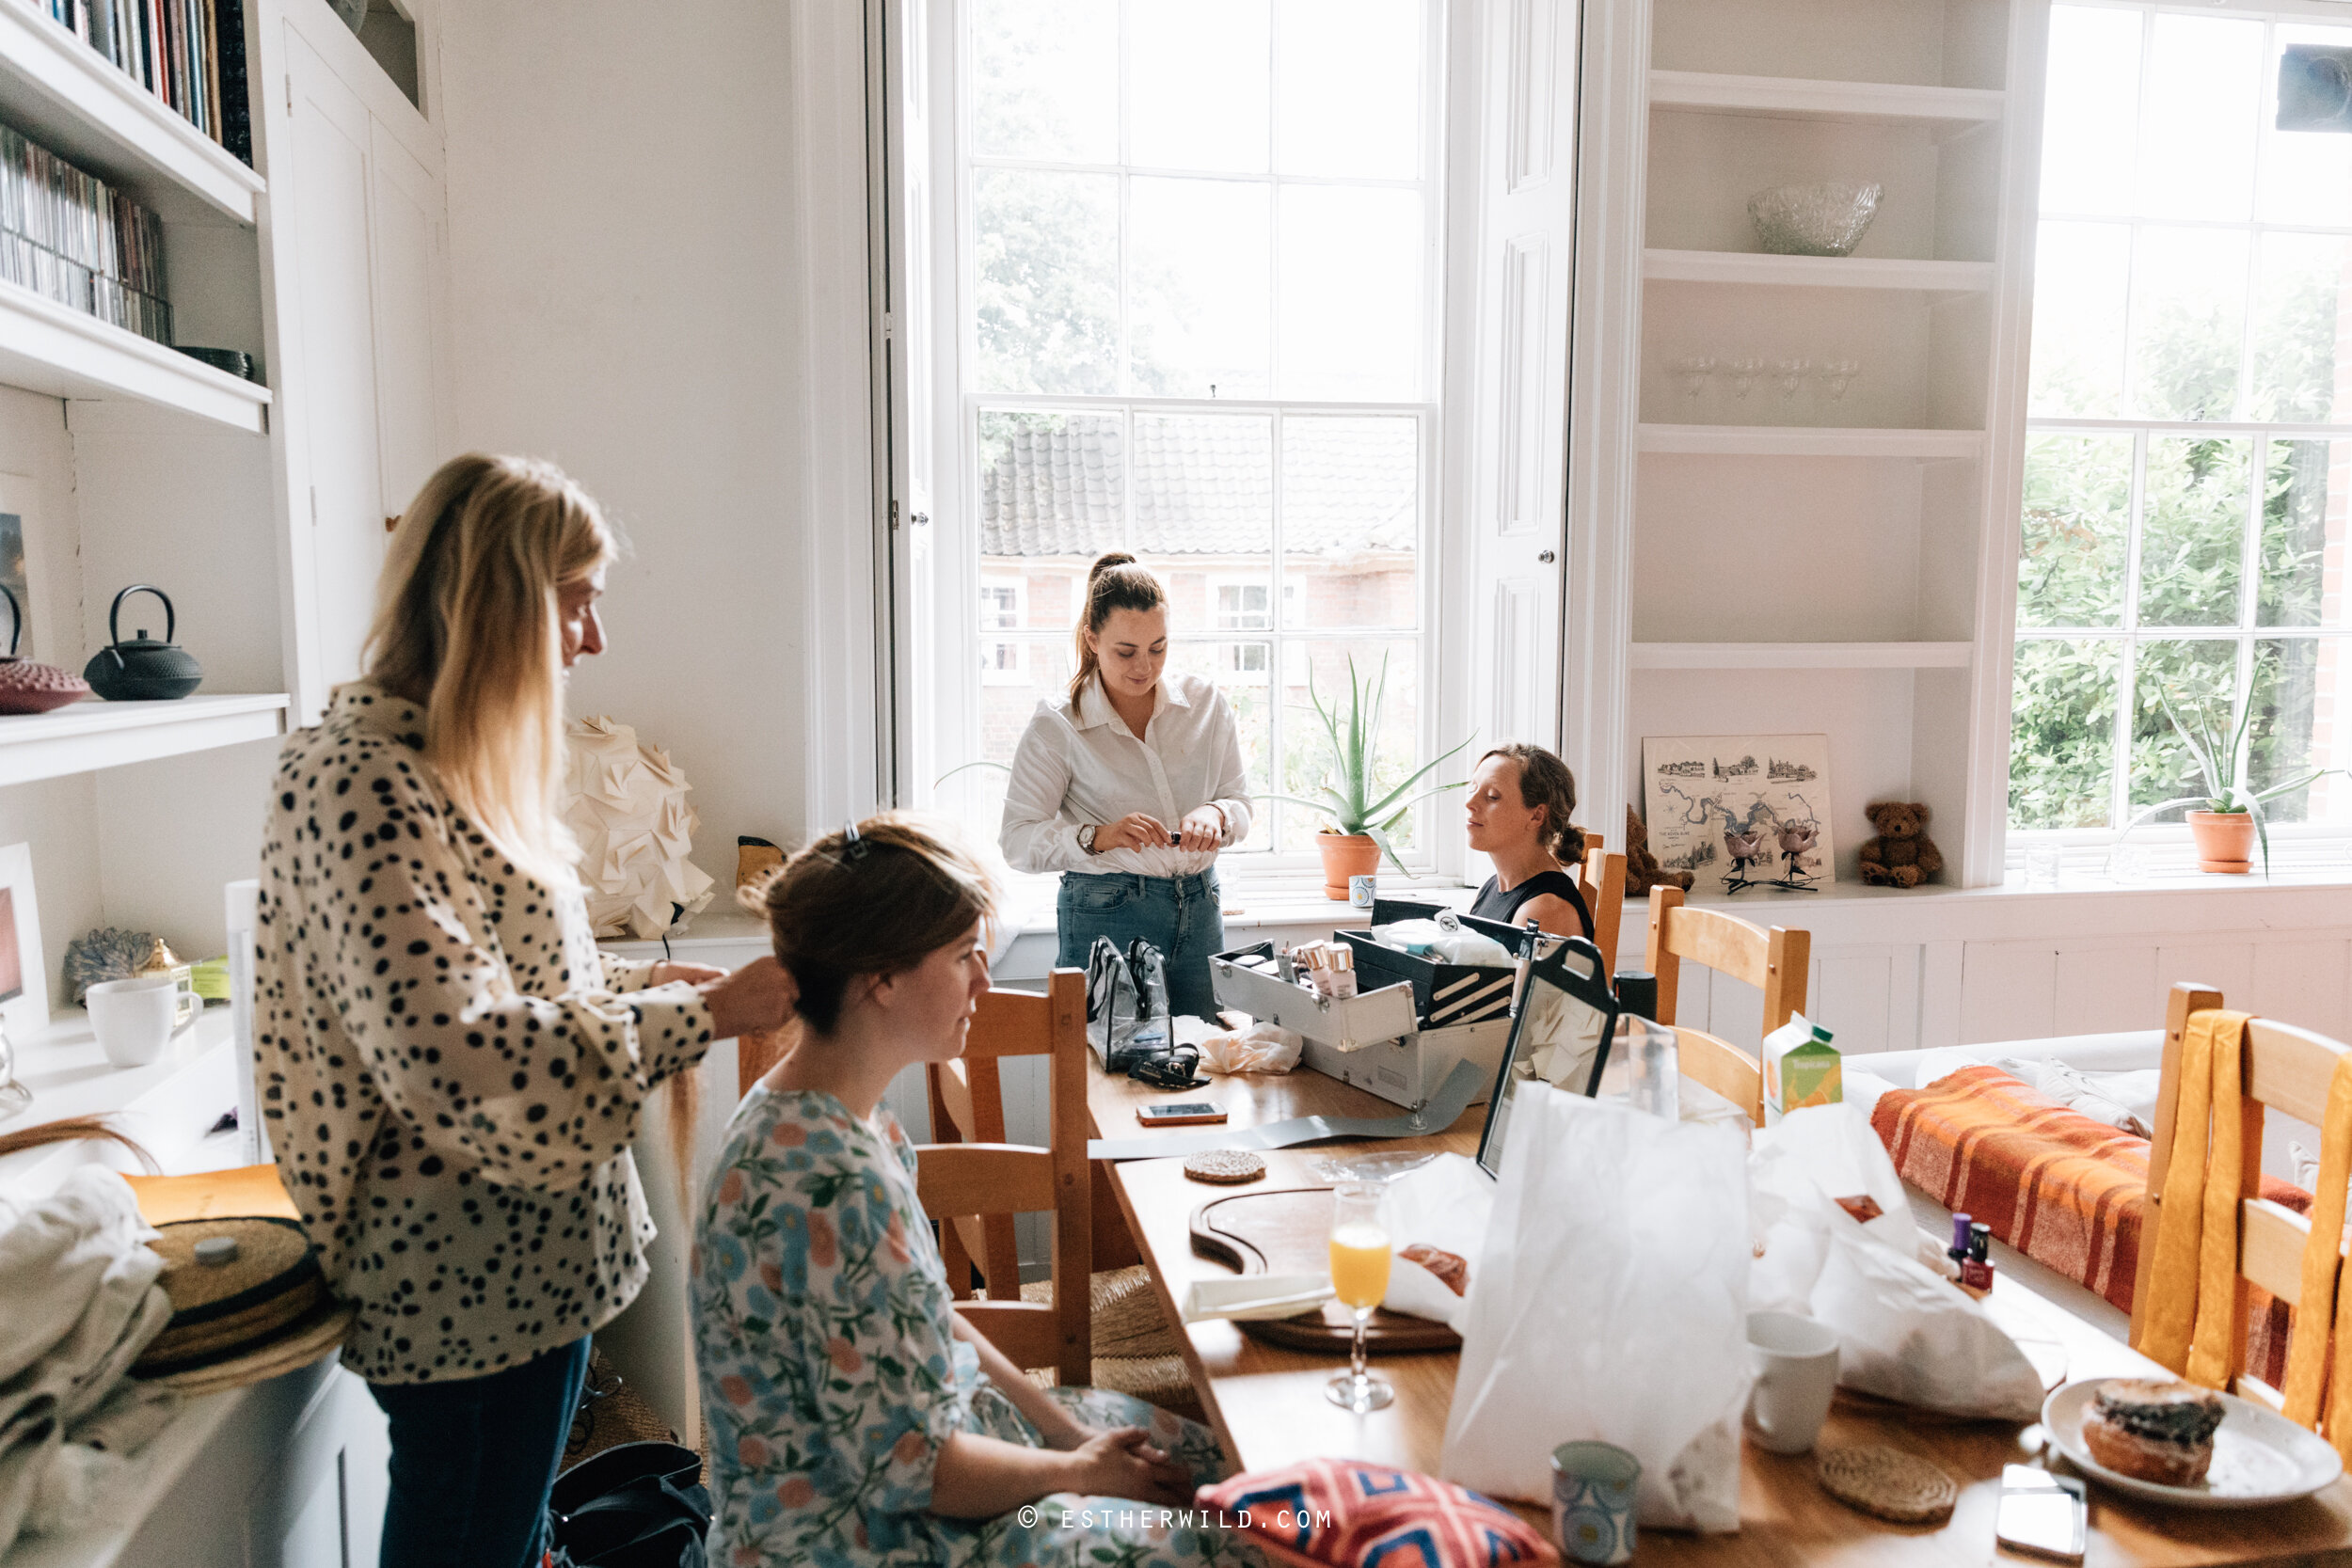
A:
[142,670]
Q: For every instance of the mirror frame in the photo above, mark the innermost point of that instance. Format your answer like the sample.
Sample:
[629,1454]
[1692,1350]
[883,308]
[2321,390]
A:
[1589,986]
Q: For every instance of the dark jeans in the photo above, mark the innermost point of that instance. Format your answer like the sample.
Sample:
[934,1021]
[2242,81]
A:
[472,1459]
[1179,916]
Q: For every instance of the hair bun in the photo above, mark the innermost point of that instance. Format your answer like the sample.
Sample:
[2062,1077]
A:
[1105,561]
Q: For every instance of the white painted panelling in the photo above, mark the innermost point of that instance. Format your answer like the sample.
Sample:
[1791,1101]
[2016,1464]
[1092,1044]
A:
[1526,299]
[1852,993]
[1735,1007]
[2099,989]
[2009,990]
[406,208]
[1534,92]
[1517,615]
[2301,983]
[2228,966]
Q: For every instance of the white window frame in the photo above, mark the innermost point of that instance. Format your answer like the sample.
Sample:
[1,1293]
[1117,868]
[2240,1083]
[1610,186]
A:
[1445,529]
[992,672]
[2294,845]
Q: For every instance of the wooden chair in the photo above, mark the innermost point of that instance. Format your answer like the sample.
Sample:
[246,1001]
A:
[973,1181]
[2285,1066]
[1601,881]
[1775,962]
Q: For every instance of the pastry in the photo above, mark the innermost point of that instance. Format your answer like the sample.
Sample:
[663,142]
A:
[1888,1483]
[2153,1428]
[1225,1167]
[1452,1271]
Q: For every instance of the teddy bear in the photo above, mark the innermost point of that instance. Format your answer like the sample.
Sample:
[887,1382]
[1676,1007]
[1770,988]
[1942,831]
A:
[1642,870]
[1902,855]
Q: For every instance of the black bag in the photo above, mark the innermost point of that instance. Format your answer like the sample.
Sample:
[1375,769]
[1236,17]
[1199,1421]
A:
[639,1505]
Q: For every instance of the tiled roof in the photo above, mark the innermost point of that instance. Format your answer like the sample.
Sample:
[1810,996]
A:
[1203,486]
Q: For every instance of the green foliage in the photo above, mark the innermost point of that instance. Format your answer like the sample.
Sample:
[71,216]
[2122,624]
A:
[2062,730]
[2078,499]
[1349,793]
[2224,767]
[1045,295]
[2193,537]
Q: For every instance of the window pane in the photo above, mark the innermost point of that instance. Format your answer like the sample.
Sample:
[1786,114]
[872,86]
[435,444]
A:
[1199,311]
[2062,734]
[1196,83]
[2200,681]
[2204,103]
[2092,113]
[1239,670]
[1053,497]
[1204,509]
[1308,761]
[2193,539]
[2306,175]
[2295,728]
[1039,669]
[2082,272]
[1347,88]
[1351,521]
[2079,510]
[1351,293]
[1046,302]
[1045,79]
[2304,486]
[2188,314]
[2295,298]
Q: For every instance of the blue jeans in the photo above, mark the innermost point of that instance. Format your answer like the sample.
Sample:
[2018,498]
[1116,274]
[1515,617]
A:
[472,1459]
[1179,916]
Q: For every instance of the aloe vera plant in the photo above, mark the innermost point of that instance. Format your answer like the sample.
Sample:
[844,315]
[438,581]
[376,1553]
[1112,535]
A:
[2223,770]
[1347,792]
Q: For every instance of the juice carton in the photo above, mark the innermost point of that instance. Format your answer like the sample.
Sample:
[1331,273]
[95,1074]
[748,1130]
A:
[1801,1069]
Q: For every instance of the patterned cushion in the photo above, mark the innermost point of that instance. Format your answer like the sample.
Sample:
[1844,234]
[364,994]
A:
[1346,1513]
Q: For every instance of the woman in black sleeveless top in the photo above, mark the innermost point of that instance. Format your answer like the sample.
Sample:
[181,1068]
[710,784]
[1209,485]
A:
[1520,802]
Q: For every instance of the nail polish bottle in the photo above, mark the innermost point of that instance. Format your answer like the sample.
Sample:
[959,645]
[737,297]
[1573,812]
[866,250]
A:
[1977,1273]
[1958,1251]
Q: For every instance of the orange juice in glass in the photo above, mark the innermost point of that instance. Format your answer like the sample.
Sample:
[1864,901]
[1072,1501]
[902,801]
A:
[1359,1276]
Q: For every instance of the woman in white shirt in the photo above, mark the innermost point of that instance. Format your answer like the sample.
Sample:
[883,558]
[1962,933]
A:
[1128,788]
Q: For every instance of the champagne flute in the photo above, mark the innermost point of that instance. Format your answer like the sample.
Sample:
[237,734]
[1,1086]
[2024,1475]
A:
[1360,1277]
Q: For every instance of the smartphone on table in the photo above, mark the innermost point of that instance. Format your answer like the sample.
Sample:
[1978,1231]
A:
[2042,1514]
[1183,1113]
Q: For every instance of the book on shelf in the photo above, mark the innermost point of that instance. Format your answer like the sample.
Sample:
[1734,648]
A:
[71,237]
[189,53]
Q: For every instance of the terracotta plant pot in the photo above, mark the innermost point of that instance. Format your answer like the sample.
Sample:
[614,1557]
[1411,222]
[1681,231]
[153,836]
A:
[2224,839]
[1346,855]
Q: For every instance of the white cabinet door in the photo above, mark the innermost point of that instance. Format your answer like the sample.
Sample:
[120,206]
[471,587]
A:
[406,205]
[329,206]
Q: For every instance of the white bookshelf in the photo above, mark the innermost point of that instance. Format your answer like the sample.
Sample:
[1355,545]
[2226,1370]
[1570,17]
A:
[1793,97]
[1937,279]
[1801,655]
[61,92]
[1727,440]
[49,347]
[91,735]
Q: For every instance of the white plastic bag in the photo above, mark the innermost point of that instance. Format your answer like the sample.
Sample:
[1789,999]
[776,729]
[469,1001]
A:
[1262,1048]
[1609,1302]
[1445,1204]
[1904,1332]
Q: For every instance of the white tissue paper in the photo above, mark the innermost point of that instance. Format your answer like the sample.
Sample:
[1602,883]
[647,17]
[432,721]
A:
[1904,1332]
[1445,1205]
[626,803]
[1262,1048]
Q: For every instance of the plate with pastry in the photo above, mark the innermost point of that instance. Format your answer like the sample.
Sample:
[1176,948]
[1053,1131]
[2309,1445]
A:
[2174,1442]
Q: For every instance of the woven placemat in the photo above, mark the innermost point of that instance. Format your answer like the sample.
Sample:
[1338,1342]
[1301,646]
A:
[1225,1167]
[1888,1483]
[220,1312]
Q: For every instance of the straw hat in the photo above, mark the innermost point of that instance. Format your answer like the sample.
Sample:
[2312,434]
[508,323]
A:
[249,1303]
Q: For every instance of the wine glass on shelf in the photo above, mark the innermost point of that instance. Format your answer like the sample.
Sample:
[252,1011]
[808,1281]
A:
[1692,371]
[1790,373]
[1743,374]
[1838,374]
[1360,1277]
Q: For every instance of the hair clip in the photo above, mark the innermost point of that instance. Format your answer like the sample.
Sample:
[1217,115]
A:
[852,845]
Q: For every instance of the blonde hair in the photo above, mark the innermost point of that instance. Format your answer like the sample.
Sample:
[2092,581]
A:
[1114,583]
[467,626]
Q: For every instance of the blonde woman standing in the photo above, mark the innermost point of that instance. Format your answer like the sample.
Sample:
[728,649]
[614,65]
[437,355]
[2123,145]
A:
[1129,788]
[452,1073]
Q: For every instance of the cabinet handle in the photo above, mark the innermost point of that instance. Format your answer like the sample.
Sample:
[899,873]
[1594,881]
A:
[1546,556]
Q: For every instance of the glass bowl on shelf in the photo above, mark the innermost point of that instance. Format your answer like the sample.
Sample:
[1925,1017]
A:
[1826,218]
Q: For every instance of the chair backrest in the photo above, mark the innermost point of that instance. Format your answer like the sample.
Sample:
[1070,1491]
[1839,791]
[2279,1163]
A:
[2285,1066]
[1775,961]
[973,1181]
[1602,880]
[1722,1066]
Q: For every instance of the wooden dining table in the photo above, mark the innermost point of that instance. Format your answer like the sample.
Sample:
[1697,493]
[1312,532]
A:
[1267,1406]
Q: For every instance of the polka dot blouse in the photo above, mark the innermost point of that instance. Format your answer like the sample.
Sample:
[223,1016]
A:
[450,1072]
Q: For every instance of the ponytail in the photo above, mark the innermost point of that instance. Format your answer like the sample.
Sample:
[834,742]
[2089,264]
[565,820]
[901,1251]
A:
[1115,582]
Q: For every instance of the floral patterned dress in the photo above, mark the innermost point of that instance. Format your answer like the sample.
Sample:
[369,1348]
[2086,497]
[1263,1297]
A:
[831,1378]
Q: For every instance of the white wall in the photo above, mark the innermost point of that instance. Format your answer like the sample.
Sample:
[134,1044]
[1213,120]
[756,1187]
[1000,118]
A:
[627,251]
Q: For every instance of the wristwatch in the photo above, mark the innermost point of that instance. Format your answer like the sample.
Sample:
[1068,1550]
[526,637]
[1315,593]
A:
[1086,838]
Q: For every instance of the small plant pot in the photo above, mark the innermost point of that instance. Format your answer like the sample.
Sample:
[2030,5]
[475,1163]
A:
[2224,840]
[1346,855]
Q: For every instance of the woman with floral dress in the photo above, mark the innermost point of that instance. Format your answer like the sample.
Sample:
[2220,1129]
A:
[855,1421]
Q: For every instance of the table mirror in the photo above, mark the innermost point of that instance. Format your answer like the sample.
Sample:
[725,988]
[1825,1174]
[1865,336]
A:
[1560,1032]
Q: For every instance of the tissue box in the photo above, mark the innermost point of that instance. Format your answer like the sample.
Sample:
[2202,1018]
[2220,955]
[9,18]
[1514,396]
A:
[1801,1069]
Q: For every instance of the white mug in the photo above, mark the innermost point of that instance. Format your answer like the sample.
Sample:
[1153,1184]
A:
[133,1019]
[1796,1374]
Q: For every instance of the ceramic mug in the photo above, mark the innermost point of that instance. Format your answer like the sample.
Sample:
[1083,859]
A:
[1593,1488]
[1796,1376]
[1362,891]
[133,1019]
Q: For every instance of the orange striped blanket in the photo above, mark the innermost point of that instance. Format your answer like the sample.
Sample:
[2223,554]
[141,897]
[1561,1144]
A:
[2068,1192]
